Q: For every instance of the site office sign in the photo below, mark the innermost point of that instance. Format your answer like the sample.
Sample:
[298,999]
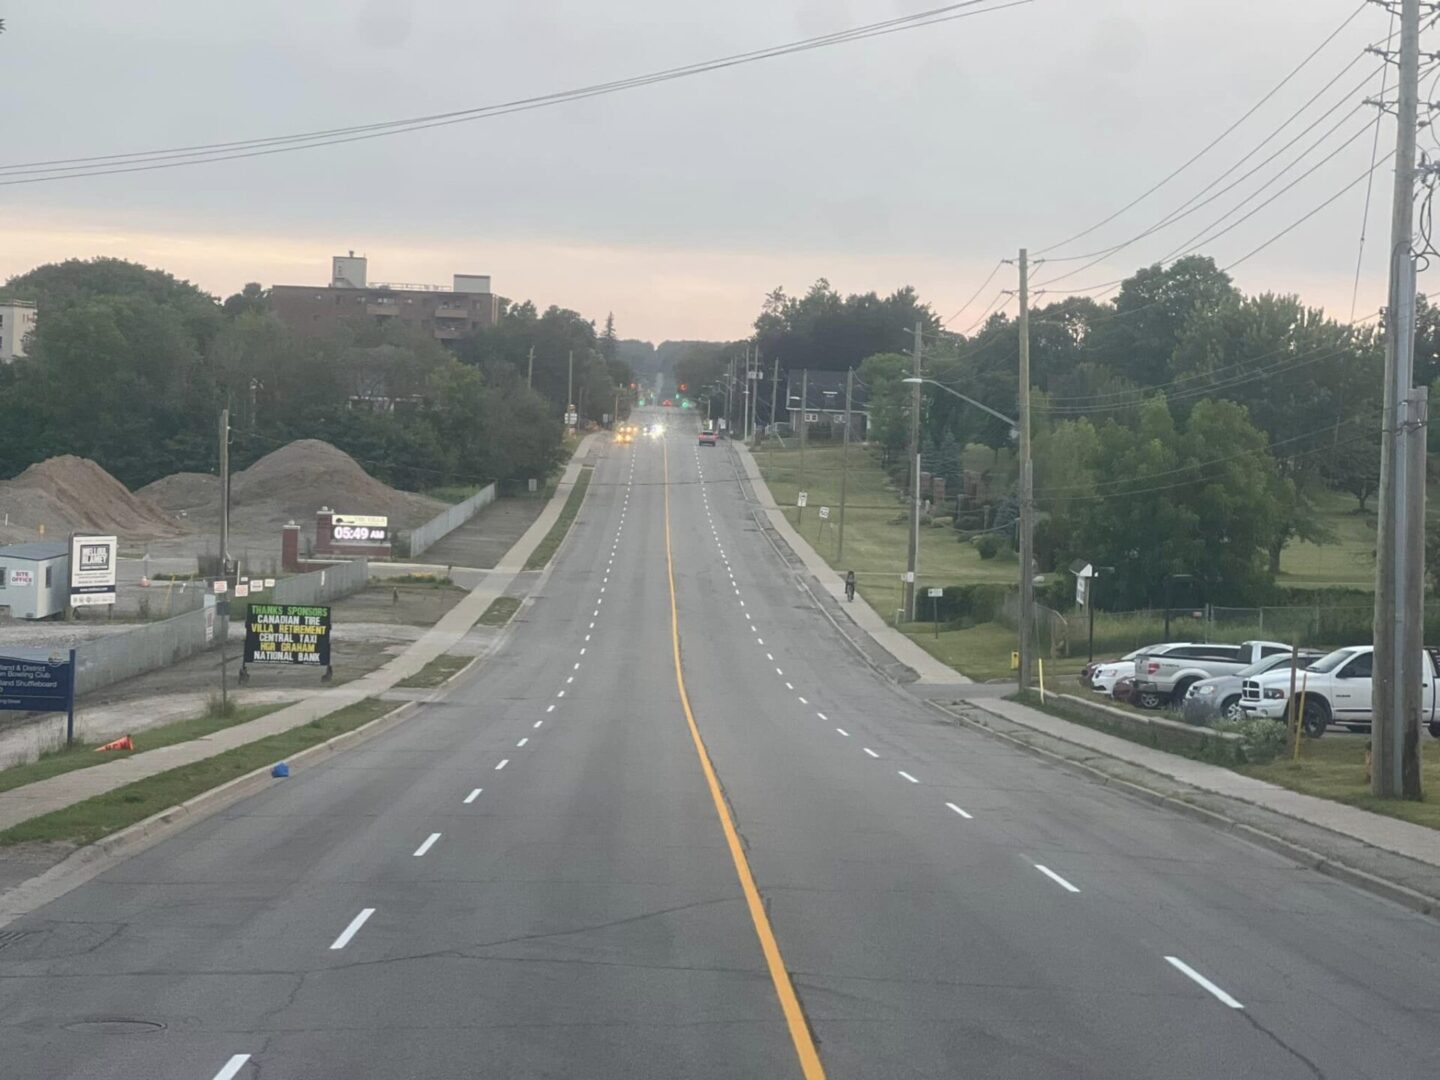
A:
[287,634]
[93,562]
[360,529]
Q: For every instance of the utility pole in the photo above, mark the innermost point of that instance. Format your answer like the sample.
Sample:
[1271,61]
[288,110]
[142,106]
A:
[844,465]
[774,389]
[745,402]
[913,559]
[222,621]
[804,427]
[570,383]
[1399,607]
[729,388]
[530,370]
[1027,489]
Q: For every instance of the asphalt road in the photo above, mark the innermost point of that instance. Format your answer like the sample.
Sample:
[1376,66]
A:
[534,878]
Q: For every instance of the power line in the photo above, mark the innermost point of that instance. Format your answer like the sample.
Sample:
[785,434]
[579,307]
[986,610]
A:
[989,278]
[144,161]
[1370,180]
[1217,140]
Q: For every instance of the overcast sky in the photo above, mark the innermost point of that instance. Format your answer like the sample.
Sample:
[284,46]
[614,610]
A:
[917,158]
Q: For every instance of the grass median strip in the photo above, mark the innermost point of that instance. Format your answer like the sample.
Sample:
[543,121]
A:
[88,821]
[501,610]
[435,672]
[541,555]
[84,755]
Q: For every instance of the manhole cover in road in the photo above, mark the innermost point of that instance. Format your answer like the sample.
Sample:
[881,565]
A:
[115,1025]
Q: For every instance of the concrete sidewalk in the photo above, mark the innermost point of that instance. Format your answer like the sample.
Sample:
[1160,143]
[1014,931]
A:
[56,793]
[929,670]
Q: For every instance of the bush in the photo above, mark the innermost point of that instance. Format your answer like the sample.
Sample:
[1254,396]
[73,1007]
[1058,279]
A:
[989,545]
[941,522]
[1262,739]
[966,605]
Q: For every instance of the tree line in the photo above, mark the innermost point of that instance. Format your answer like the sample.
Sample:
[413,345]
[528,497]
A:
[1180,427]
[130,366]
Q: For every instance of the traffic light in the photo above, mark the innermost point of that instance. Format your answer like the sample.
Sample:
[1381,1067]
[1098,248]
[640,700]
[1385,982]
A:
[683,386]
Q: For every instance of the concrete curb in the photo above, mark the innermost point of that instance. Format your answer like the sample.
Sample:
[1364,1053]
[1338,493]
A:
[1406,897]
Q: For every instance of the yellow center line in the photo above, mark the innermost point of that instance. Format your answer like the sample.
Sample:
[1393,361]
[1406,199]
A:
[789,1003]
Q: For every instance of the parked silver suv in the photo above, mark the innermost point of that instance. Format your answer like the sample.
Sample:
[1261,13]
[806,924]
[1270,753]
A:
[1164,675]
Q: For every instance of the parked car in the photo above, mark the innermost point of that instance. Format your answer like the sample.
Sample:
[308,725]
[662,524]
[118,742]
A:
[1219,698]
[1337,688]
[1102,675]
[1164,675]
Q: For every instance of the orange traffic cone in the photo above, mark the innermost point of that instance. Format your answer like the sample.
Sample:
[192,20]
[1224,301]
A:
[122,743]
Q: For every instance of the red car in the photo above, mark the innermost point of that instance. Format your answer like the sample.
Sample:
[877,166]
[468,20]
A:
[707,438]
[668,403]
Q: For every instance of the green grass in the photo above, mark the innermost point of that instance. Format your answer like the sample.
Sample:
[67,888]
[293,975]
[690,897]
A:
[452,493]
[548,546]
[876,525]
[435,672]
[500,611]
[434,581]
[1349,561]
[84,755]
[88,821]
[1335,769]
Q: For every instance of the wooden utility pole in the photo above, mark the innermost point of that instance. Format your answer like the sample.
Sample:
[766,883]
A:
[1027,489]
[774,388]
[1399,570]
[844,465]
[530,369]
[222,621]
[804,429]
[913,545]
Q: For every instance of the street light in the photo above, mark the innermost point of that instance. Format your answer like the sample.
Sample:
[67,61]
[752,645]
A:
[1027,522]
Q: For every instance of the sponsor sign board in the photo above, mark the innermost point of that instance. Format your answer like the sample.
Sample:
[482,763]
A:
[242,590]
[93,562]
[269,583]
[824,513]
[360,529]
[36,684]
[934,592]
[287,634]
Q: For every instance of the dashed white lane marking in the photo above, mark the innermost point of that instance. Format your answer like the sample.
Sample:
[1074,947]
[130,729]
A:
[473,796]
[842,731]
[427,845]
[962,813]
[592,626]
[503,763]
[582,651]
[822,716]
[759,640]
[742,603]
[550,708]
[1200,980]
[232,1067]
[779,672]
[769,657]
[871,752]
[594,614]
[1056,878]
[577,666]
[789,686]
[587,638]
[353,929]
[522,742]
[569,679]
[560,693]
[907,776]
[537,723]
[804,702]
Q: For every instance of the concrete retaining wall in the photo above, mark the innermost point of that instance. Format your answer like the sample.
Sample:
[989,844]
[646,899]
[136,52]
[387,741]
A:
[1156,730]
[322,586]
[446,523]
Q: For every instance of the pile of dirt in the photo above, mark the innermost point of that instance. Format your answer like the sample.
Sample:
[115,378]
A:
[73,494]
[289,484]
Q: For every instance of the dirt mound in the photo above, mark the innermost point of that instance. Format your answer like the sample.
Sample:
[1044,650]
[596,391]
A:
[301,477]
[73,494]
[183,492]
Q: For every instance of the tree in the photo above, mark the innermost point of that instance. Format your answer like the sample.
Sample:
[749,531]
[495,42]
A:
[254,299]
[609,346]
[1353,466]
[889,401]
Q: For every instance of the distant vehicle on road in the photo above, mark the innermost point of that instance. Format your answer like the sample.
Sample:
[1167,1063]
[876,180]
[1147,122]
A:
[1219,698]
[1338,688]
[707,437]
[1164,675]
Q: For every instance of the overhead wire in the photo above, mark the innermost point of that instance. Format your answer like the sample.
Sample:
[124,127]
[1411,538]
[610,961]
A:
[1370,182]
[175,157]
[1217,140]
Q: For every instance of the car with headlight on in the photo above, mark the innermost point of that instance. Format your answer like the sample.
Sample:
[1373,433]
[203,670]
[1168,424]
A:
[1219,698]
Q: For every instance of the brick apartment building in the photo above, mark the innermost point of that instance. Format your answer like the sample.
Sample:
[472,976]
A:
[444,312]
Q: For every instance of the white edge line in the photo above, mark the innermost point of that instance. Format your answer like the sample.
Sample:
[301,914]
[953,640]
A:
[353,929]
[232,1067]
[427,845]
[473,796]
[962,813]
[1056,878]
[1190,973]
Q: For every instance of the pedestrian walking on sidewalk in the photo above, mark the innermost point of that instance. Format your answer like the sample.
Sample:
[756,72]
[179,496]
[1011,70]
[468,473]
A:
[850,585]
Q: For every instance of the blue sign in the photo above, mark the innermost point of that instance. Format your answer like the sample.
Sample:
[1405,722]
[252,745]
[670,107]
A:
[38,683]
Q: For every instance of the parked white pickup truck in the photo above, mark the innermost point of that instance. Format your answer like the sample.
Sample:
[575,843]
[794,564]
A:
[1337,689]
[1165,673]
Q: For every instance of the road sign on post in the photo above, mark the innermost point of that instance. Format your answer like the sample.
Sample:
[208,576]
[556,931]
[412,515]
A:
[40,682]
[824,513]
[802,499]
[935,595]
